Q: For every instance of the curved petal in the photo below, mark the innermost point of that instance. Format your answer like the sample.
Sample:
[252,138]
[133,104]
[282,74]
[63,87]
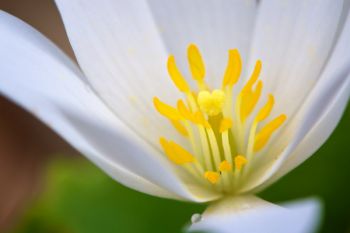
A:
[316,137]
[137,156]
[40,78]
[317,118]
[322,99]
[254,215]
[325,123]
[316,101]
[215,26]
[119,49]
[293,39]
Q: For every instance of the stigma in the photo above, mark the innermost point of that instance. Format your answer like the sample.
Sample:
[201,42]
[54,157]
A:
[211,103]
[226,131]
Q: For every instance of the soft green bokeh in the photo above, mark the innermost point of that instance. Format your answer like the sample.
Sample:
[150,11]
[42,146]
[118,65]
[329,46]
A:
[79,198]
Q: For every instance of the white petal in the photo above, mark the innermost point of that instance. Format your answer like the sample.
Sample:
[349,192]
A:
[118,47]
[317,135]
[254,215]
[215,26]
[325,123]
[136,155]
[293,39]
[329,95]
[40,78]
[309,110]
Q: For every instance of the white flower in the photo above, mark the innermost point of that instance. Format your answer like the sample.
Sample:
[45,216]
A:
[237,134]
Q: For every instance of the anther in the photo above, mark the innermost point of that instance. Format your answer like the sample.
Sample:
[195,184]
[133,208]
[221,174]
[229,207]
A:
[212,177]
[240,161]
[225,166]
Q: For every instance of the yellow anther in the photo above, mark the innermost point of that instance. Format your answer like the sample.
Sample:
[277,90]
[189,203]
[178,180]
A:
[250,97]
[249,101]
[199,119]
[179,127]
[184,111]
[240,161]
[233,69]
[266,110]
[225,124]
[212,177]
[254,77]
[166,110]
[225,166]
[265,133]
[176,76]
[211,103]
[176,153]
[196,62]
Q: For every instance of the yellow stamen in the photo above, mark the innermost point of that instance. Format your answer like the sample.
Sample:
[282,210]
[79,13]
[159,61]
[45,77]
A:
[225,166]
[166,110]
[212,177]
[184,111]
[240,161]
[265,133]
[249,101]
[211,103]
[196,63]
[248,97]
[176,76]
[233,69]
[176,153]
[179,127]
[199,119]
[265,111]
[225,125]
[254,77]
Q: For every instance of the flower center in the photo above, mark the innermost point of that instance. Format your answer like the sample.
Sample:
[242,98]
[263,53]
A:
[211,103]
[224,130]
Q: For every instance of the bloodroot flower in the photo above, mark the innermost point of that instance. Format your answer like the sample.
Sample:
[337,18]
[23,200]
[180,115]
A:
[204,101]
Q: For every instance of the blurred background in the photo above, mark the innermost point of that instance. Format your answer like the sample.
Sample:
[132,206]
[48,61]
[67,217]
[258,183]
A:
[47,187]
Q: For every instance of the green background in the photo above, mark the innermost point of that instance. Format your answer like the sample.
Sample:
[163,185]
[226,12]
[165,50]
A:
[79,198]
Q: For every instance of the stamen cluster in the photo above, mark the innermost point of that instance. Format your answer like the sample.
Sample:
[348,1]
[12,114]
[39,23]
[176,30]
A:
[223,143]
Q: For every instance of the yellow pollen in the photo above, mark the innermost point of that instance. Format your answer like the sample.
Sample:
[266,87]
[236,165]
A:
[240,161]
[265,133]
[176,76]
[225,166]
[179,127]
[196,63]
[225,125]
[233,69]
[212,177]
[211,103]
[176,153]
[166,110]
